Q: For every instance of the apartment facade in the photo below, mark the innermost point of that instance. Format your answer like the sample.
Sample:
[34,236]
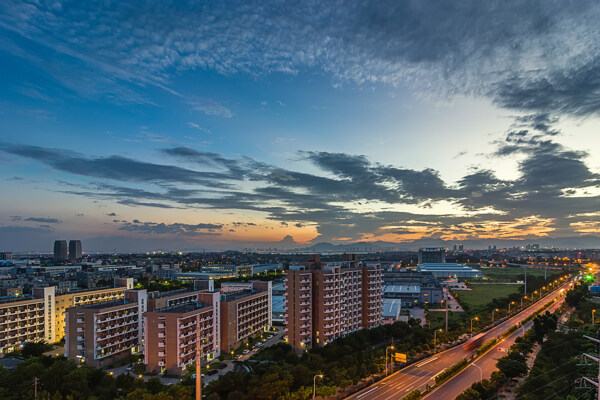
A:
[102,333]
[326,302]
[176,333]
[85,297]
[245,312]
[27,320]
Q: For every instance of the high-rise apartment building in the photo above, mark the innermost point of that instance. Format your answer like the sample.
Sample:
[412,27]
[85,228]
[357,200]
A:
[432,255]
[75,250]
[245,312]
[326,302]
[174,334]
[60,250]
[85,297]
[6,256]
[25,320]
[103,333]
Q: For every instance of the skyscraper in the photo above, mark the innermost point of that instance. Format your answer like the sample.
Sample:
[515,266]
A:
[60,250]
[74,250]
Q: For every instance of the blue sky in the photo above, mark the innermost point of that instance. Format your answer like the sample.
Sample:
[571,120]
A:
[268,124]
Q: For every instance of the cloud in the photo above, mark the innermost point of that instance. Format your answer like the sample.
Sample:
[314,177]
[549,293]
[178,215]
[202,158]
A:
[114,167]
[47,220]
[43,220]
[198,127]
[153,228]
[537,56]
[112,214]
[211,107]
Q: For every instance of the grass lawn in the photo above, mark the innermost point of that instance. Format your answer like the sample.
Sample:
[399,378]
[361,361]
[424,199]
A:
[484,293]
[513,274]
[438,318]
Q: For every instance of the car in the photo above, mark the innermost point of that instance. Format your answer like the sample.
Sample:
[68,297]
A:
[222,366]
[245,352]
[194,376]
[212,372]
[129,368]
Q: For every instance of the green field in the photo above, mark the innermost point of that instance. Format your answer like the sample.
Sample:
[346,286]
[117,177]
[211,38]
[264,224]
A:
[482,294]
[513,274]
[437,319]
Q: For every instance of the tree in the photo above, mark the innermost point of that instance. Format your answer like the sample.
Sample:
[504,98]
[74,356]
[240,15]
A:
[511,368]
[34,349]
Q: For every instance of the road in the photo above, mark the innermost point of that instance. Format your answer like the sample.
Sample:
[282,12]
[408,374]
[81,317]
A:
[484,366]
[422,373]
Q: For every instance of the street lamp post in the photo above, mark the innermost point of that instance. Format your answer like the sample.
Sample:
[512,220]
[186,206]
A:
[593,312]
[386,358]
[509,304]
[435,339]
[524,297]
[315,384]
[474,319]
[495,311]
[480,371]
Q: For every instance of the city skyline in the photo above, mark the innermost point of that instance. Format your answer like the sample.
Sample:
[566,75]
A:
[176,126]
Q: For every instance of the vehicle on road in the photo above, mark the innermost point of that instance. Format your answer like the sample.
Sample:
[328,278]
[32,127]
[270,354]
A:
[474,342]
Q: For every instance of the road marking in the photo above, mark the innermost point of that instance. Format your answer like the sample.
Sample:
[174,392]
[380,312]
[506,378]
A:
[367,392]
[427,362]
[439,373]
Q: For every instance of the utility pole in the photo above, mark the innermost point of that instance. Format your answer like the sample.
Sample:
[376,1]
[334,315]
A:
[596,359]
[446,296]
[198,363]
[525,268]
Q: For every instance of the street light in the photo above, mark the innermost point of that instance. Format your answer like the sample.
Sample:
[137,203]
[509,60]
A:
[593,312]
[315,384]
[474,319]
[509,304]
[434,339]
[493,314]
[386,358]
[480,371]
[522,300]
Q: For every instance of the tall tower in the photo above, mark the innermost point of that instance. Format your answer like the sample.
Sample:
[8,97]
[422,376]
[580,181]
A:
[74,250]
[60,250]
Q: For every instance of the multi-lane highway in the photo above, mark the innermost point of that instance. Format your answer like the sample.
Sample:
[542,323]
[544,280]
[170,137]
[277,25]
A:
[422,373]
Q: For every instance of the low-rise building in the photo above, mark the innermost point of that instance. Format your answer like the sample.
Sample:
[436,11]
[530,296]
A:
[102,333]
[450,270]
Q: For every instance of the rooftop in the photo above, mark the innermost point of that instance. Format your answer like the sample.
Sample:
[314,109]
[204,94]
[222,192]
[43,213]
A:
[181,309]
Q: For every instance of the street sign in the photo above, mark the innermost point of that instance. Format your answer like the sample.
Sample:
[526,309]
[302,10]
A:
[400,357]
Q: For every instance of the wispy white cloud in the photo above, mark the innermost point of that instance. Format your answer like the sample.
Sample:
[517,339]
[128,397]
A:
[211,107]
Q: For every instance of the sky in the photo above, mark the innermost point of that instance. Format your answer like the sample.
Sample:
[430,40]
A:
[186,125]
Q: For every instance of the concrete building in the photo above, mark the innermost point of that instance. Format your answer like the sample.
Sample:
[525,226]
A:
[412,288]
[6,256]
[325,302]
[172,334]
[11,291]
[432,255]
[60,251]
[85,297]
[102,333]
[391,310]
[75,253]
[450,270]
[27,320]
[245,312]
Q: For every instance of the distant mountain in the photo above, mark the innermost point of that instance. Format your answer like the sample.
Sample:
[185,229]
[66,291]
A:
[580,242]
